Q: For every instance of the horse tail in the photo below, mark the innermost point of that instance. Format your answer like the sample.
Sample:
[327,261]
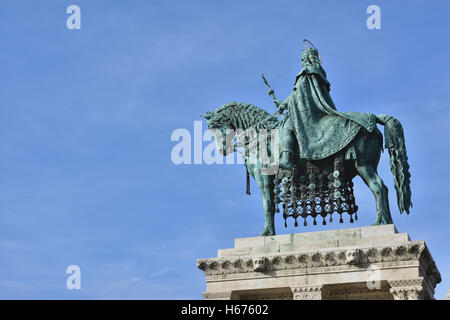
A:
[395,143]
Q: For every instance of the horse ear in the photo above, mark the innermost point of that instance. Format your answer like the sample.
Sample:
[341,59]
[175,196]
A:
[207,116]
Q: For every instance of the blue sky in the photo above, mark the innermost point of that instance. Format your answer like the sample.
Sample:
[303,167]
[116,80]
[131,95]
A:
[86,118]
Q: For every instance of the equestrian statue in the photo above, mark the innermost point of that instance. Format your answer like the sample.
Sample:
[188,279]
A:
[314,151]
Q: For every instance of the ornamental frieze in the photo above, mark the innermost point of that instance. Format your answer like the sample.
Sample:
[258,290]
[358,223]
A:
[313,260]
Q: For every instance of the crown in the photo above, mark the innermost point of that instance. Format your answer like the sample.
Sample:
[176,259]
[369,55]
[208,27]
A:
[310,50]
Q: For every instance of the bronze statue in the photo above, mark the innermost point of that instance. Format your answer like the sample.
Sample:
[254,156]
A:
[320,150]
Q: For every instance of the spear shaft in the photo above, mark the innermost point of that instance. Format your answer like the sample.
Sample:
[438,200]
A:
[272,94]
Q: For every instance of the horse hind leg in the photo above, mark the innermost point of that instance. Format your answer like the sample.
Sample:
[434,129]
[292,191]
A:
[379,190]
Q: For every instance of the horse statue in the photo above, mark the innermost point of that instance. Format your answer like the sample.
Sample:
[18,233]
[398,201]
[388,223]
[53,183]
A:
[306,161]
[233,118]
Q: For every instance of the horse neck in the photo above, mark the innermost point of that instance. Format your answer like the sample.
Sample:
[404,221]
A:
[242,118]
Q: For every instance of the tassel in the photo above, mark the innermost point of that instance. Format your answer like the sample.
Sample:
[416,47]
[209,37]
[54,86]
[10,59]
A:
[248,182]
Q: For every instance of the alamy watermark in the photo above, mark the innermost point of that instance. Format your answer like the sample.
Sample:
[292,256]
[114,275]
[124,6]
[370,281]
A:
[226,146]
[74,280]
[74,19]
[374,20]
[373,278]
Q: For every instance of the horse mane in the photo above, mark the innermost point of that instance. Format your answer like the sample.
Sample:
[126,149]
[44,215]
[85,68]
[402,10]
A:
[245,115]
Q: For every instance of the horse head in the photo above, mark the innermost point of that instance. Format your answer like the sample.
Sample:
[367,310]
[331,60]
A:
[222,130]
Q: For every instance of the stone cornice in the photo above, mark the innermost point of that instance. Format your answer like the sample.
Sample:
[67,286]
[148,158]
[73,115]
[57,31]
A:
[416,250]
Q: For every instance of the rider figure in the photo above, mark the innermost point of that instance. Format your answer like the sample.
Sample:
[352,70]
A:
[311,63]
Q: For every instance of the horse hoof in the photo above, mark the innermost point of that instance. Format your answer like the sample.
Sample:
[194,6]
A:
[383,221]
[266,234]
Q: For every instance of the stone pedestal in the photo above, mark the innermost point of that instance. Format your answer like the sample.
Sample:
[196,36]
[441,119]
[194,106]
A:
[373,262]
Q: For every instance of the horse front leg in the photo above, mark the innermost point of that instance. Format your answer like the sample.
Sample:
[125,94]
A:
[265,184]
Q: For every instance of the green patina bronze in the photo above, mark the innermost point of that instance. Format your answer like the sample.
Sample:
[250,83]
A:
[320,151]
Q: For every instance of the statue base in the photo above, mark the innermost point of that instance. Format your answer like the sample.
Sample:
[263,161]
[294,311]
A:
[373,262]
